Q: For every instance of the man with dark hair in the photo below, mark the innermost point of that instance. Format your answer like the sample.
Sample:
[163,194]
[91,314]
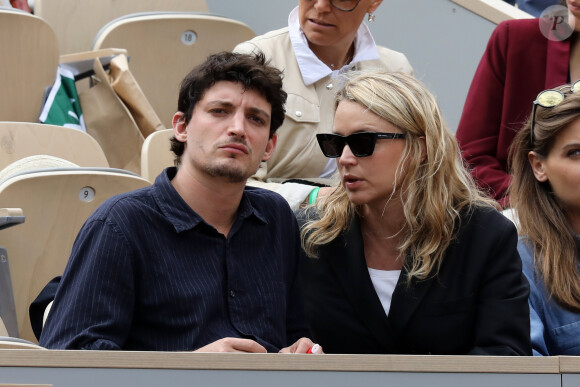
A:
[247,71]
[197,261]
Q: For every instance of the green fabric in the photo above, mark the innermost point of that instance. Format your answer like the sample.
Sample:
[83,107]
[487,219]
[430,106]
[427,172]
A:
[62,106]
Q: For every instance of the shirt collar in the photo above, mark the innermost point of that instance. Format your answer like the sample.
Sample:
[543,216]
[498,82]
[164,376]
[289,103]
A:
[180,214]
[312,68]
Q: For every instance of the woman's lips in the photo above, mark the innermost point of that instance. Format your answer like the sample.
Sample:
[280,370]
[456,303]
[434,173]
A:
[351,181]
[320,23]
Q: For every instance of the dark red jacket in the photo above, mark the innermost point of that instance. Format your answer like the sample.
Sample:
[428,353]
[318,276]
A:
[518,63]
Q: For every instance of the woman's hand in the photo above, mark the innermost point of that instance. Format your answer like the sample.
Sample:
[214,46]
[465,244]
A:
[303,345]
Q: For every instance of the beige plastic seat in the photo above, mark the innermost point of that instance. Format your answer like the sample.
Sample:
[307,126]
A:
[22,139]
[7,342]
[76,22]
[28,64]
[9,217]
[156,154]
[55,203]
[163,47]
[3,330]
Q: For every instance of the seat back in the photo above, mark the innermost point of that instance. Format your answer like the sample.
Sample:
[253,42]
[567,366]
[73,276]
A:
[156,154]
[3,330]
[55,203]
[8,325]
[163,47]
[76,22]
[28,64]
[23,139]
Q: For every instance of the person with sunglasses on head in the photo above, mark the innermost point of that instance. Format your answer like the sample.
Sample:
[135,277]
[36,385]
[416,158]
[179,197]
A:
[324,38]
[407,256]
[522,58]
[545,194]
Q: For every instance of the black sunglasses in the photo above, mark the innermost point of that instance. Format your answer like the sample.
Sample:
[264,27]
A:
[361,144]
[549,99]
[345,5]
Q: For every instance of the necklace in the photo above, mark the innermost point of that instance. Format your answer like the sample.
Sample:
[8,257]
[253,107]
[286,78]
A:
[347,59]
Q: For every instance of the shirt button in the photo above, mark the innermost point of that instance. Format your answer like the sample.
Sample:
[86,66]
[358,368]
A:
[298,113]
[232,293]
[329,86]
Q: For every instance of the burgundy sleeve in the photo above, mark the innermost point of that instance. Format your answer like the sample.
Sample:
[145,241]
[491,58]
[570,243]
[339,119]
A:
[479,128]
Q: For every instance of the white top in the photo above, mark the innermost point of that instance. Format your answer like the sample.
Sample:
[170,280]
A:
[312,68]
[384,282]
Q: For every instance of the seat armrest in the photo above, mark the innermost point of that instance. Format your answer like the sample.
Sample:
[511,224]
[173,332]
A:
[10,217]
[81,64]
[17,343]
[91,55]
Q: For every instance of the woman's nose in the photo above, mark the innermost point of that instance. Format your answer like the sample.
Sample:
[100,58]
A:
[322,5]
[347,157]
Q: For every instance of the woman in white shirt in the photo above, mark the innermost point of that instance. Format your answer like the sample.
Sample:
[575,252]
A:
[324,39]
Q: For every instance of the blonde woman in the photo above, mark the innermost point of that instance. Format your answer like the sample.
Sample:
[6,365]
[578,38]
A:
[406,255]
[545,192]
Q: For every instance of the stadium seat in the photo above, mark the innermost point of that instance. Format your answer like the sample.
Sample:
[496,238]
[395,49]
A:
[56,203]
[164,46]
[76,22]
[156,154]
[21,139]
[28,64]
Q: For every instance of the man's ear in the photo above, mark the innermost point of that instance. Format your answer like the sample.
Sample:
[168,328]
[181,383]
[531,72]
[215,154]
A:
[537,163]
[270,147]
[179,127]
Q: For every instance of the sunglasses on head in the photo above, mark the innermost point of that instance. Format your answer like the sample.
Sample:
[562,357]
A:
[549,99]
[361,144]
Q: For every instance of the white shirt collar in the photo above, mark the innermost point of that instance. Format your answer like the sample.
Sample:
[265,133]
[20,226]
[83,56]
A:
[312,68]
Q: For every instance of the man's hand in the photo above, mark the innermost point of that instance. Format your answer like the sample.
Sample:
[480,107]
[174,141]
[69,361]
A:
[302,346]
[233,344]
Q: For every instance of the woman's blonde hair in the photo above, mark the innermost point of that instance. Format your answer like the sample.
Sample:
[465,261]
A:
[542,220]
[434,185]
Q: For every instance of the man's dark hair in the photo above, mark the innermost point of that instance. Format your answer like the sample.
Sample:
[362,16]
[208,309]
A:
[251,70]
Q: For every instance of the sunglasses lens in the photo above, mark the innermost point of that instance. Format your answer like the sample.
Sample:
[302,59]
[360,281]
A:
[550,98]
[331,144]
[576,87]
[362,144]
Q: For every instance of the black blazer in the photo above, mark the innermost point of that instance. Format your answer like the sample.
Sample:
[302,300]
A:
[478,303]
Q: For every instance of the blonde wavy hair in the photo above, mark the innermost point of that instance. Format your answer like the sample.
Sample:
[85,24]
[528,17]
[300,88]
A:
[542,220]
[435,186]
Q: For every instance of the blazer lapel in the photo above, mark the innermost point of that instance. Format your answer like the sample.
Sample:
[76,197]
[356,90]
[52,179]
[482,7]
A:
[557,63]
[346,257]
[406,299]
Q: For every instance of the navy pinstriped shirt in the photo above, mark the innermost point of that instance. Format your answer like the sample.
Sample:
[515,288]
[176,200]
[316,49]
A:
[147,273]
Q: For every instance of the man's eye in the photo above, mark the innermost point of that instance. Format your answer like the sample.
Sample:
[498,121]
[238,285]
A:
[258,120]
